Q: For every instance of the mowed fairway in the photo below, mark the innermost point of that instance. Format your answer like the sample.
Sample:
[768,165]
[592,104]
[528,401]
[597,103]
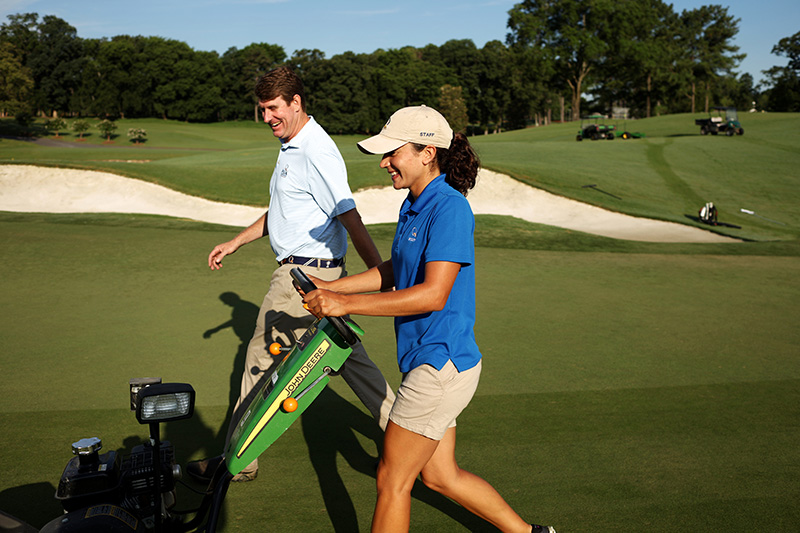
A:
[626,386]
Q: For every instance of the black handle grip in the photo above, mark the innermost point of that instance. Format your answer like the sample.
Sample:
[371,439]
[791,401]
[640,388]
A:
[299,277]
[338,323]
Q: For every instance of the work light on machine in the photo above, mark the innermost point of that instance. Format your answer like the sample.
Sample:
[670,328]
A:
[162,402]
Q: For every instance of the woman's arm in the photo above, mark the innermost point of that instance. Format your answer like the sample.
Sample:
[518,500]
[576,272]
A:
[377,278]
[430,295]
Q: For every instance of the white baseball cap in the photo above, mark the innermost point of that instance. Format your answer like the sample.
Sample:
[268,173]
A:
[416,124]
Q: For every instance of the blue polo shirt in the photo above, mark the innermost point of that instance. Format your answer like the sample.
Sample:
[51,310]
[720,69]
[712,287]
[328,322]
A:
[437,226]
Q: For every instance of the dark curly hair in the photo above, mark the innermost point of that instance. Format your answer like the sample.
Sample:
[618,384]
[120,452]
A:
[459,163]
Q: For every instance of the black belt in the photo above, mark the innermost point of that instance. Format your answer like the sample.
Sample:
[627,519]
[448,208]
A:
[312,262]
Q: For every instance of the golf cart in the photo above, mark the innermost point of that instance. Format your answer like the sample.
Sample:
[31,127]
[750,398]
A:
[593,128]
[721,120]
[106,493]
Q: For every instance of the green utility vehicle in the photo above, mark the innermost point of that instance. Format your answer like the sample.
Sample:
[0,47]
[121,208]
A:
[721,120]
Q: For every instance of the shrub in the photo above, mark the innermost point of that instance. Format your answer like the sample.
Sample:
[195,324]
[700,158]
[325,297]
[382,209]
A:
[137,135]
[55,125]
[107,127]
[80,126]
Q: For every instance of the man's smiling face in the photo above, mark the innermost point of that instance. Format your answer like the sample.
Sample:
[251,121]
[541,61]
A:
[285,118]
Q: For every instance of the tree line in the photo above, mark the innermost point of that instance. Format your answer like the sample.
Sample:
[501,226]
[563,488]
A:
[560,60]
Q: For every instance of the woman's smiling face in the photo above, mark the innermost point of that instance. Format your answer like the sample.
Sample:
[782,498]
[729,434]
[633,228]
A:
[409,168]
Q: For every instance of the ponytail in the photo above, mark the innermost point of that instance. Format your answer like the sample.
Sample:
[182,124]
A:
[459,163]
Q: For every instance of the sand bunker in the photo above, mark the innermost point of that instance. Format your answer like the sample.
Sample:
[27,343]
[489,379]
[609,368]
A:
[34,189]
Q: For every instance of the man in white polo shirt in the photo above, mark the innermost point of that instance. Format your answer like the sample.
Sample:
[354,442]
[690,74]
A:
[310,214]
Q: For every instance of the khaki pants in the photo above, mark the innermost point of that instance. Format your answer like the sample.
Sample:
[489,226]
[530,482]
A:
[283,319]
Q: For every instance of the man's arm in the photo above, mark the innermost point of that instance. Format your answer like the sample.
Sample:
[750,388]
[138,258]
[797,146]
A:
[254,231]
[362,241]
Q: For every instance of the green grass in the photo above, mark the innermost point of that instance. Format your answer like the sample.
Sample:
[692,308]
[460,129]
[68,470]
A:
[627,385]
[619,388]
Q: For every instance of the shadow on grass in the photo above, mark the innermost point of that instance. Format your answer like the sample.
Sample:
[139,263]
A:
[724,224]
[243,321]
[16,502]
[330,426]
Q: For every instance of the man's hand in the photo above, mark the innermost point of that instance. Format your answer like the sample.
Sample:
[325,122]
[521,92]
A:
[220,251]
[254,231]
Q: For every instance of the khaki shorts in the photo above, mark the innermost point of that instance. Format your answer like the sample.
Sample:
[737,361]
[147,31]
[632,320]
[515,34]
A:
[429,400]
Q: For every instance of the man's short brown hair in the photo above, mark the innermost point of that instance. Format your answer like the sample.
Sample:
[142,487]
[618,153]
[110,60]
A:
[282,82]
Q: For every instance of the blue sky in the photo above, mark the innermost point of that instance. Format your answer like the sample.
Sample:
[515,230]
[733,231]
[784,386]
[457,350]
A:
[359,25]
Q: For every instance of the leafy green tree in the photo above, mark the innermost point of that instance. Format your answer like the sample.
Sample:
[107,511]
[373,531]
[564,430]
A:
[707,41]
[740,92]
[137,135]
[784,93]
[169,91]
[80,127]
[24,119]
[533,73]
[312,67]
[340,94]
[462,61]
[573,33]
[55,124]
[21,31]
[194,92]
[88,99]
[16,82]
[204,97]
[638,70]
[790,48]
[402,78]
[107,127]
[453,107]
[494,90]
[54,57]
[118,77]
[240,70]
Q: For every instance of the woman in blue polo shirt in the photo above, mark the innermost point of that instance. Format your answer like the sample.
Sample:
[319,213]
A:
[433,302]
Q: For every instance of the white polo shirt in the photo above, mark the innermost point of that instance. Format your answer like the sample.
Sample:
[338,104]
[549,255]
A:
[308,190]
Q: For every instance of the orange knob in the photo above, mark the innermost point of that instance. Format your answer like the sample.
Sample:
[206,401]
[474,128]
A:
[290,405]
[275,348]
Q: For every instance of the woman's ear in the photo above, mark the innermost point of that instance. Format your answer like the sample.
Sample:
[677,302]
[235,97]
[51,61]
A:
[428,155]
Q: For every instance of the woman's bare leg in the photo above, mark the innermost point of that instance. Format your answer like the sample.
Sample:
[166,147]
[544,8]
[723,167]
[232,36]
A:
[442,474]
[404,455]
